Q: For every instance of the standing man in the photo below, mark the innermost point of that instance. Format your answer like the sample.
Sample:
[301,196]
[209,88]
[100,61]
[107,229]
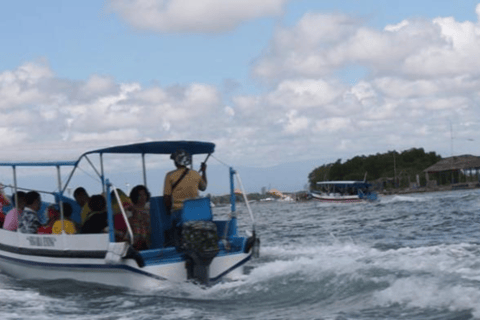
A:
[182,183]
[29,222]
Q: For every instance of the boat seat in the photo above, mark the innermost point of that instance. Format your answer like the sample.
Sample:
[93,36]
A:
[198,209]
[159,222]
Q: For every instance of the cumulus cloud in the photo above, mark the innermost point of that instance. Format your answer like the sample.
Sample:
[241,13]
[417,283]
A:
[20,87]
[193,15]
[319,44]
[304,93]
[296,123]
[421,75]
[334,125]
[40,110]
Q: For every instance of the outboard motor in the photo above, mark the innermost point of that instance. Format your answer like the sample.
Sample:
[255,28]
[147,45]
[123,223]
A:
[200,245]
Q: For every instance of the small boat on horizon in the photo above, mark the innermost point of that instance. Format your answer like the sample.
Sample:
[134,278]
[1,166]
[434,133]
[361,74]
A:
[343,192]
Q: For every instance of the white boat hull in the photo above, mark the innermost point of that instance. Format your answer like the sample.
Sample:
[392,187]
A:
[337,198]
[39,257]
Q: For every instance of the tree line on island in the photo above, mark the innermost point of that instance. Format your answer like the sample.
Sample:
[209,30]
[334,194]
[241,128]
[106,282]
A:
[387,170]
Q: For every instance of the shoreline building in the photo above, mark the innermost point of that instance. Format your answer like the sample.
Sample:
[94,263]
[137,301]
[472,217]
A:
[452,170]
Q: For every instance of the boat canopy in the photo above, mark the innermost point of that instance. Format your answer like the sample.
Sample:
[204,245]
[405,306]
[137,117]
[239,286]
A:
[154,147]
[160,147]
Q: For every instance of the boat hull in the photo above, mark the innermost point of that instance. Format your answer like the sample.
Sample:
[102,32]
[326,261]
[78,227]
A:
[337,199]
[30,259]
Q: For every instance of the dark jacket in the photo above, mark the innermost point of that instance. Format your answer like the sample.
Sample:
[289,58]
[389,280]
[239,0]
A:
[95,223]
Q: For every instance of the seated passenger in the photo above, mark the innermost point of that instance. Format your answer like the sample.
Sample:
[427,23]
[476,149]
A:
[53,215]
[82,198]
[29,222]
[4,201]
[11,220]
[140,219]
[66,225]
[96,220]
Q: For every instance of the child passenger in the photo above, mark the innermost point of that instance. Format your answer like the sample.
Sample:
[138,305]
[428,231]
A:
[140,219]
[66,225]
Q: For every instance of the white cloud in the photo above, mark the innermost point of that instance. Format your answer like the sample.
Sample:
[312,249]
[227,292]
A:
[403,88]
[452,103]
[28,73]
[97,85]
[296,123]
[97,111]
[320,44]
[193,15]
[12,137]
[152,95]
[299,51]
[363,91]
[20,87]
[396,27]
[229,111]
[335,124]
[304,93]
[118,136]
[248,105]
[201,95]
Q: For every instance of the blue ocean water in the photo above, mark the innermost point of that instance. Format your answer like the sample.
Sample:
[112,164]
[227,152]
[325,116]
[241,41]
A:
[413,256]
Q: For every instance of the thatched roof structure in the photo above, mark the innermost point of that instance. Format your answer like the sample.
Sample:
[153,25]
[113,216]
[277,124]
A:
[455,163]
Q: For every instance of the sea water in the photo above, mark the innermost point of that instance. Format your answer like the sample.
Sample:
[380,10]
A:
[413,256]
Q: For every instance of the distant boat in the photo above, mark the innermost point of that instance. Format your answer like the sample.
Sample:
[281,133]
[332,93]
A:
[343,192]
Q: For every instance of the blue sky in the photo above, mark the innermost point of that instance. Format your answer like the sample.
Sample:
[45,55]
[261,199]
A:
[273,83]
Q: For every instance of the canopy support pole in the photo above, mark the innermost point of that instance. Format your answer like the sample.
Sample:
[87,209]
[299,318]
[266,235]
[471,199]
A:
[144,171]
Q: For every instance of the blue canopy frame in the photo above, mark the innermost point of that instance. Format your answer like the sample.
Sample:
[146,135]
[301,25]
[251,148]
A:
[154,147]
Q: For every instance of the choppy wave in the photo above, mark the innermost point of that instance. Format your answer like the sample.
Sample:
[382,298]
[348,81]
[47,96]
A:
[440,278]
[435,278]
[403,198]
[406,257]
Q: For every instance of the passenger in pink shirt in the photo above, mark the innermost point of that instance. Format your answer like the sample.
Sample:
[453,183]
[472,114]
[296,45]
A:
[11,220]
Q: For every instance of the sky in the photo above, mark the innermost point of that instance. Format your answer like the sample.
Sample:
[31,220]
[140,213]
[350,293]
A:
[280,86]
